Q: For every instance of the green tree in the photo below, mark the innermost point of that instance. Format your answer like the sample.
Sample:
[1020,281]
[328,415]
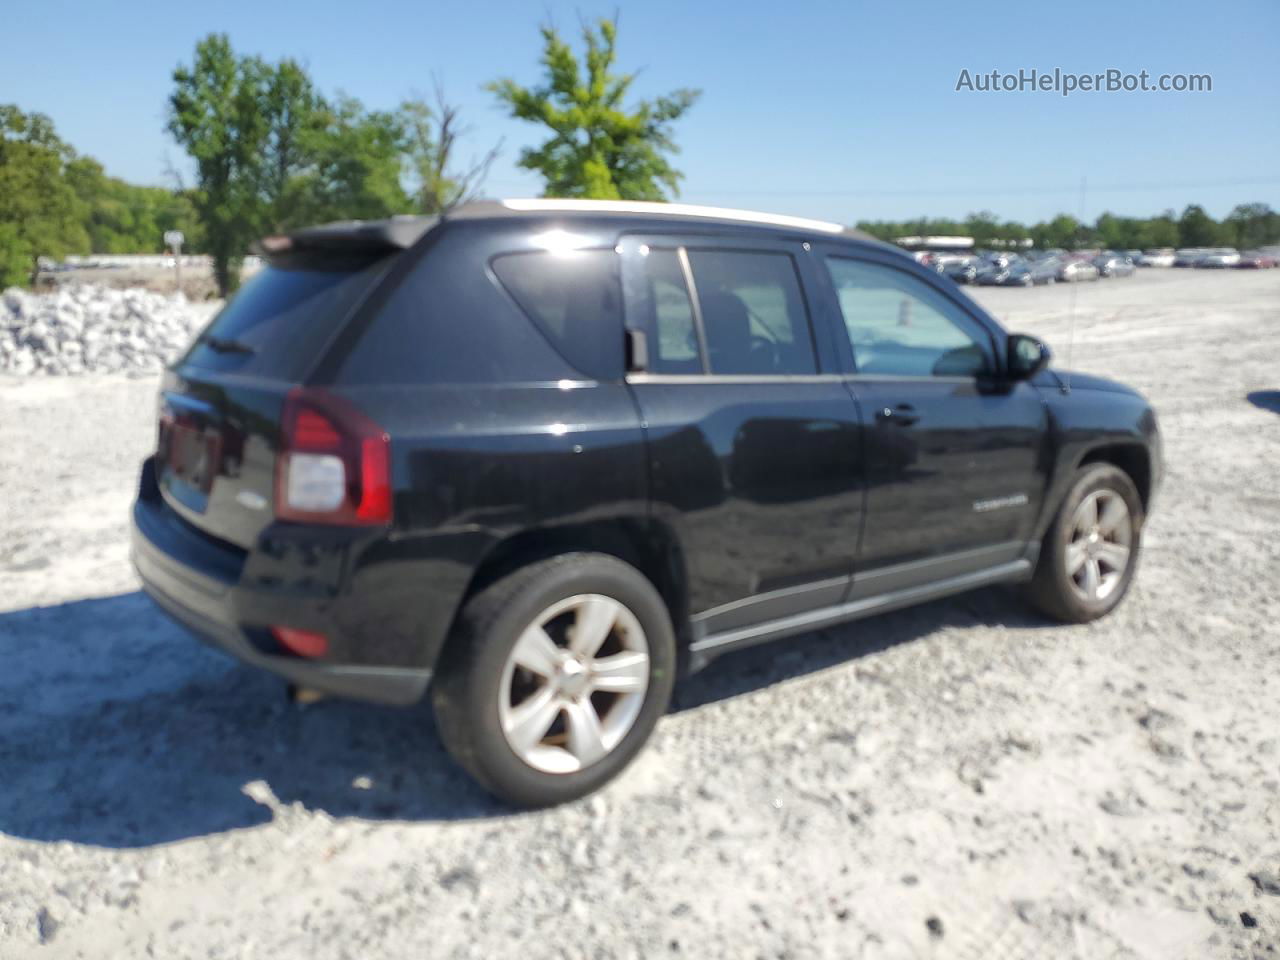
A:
[125,218]
[1062,232]
[1252,225]
[1111,232]
[983,227]
[597,148]
[40,213]
[1163,230]
[1248,225]
[886,230]
[358,157]
[295,115]
[1196,228]
[272,154]
[1012,233]
[217,113]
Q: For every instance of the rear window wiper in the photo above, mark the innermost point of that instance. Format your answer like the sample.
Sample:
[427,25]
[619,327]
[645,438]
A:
[222,345]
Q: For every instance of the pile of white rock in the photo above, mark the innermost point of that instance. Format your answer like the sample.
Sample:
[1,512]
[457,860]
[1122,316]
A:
[92,329]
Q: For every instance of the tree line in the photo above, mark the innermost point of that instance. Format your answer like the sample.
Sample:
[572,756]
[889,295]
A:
[1247,225]
[271,153]
[54,202]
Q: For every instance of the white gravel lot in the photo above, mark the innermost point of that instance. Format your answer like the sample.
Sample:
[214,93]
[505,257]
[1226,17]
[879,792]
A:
[962,780]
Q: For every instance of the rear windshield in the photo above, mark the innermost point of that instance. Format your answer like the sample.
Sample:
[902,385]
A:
[282,318]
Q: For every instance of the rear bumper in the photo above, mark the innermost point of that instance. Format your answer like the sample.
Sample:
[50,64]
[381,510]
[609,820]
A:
[197,584]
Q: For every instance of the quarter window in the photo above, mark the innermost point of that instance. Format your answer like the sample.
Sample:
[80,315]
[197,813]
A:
[899,325]
[575,299]
[753,312]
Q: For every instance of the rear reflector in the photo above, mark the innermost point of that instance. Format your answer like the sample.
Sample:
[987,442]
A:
[375,481]
[335,464]
[302,642]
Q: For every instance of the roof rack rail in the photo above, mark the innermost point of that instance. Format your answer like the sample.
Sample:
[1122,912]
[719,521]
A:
[670,209]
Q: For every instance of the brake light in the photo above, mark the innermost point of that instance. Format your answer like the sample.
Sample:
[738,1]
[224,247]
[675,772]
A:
[335,463]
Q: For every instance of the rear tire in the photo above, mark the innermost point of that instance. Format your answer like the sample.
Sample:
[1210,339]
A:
[555,677]
[1089,554]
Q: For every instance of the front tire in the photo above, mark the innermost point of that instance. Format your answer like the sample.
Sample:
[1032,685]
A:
[555,677]
[1090,552]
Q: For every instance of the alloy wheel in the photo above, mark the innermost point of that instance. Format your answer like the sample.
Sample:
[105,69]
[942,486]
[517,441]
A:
[574,683]
[1098,552]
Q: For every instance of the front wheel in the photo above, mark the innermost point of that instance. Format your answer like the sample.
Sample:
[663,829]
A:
[555,677]
[1090,552]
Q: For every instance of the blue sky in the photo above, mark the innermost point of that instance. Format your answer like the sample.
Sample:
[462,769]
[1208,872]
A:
[840,110]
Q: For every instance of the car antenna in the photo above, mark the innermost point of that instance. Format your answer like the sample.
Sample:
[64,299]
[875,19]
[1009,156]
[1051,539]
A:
[1071,310]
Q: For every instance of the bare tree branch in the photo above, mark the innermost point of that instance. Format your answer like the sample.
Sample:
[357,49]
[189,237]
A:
[435,131]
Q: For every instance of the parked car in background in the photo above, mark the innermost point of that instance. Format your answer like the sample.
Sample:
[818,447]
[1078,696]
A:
[940,261]
[1163,257]
[983,268]
[961,271]
[1255,260]
[1218,258]
[1073,271]
[1188,256]
[999,268]
[1044,272]
[1113,265]
[1014,275]
[495,457]
[1039,256]
[1021,273]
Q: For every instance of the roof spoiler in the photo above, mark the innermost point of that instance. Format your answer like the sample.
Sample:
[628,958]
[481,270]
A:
[359,238]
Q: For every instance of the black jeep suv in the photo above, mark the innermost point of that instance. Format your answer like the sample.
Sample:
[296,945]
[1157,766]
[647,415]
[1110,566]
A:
[542,456]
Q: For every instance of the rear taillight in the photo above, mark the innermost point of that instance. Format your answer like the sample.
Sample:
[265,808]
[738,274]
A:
[335,463]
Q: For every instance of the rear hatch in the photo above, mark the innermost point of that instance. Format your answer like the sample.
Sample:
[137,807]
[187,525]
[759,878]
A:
[222,404]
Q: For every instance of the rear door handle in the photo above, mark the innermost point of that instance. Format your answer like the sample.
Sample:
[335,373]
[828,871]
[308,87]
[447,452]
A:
[904,414]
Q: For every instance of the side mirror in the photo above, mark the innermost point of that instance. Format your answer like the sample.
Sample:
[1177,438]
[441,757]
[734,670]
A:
[1027,356]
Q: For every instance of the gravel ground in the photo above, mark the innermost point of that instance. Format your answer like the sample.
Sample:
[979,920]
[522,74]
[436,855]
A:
[961,780]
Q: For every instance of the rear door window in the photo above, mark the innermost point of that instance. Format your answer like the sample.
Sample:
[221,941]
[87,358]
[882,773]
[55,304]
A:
[278,322]
[753,312]
[575,299]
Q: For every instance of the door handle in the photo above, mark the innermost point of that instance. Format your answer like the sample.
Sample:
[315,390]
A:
[904,415]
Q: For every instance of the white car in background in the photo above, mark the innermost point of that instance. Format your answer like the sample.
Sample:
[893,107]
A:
[1075,270]
[940,261]
[1156,258]
[1219,257]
